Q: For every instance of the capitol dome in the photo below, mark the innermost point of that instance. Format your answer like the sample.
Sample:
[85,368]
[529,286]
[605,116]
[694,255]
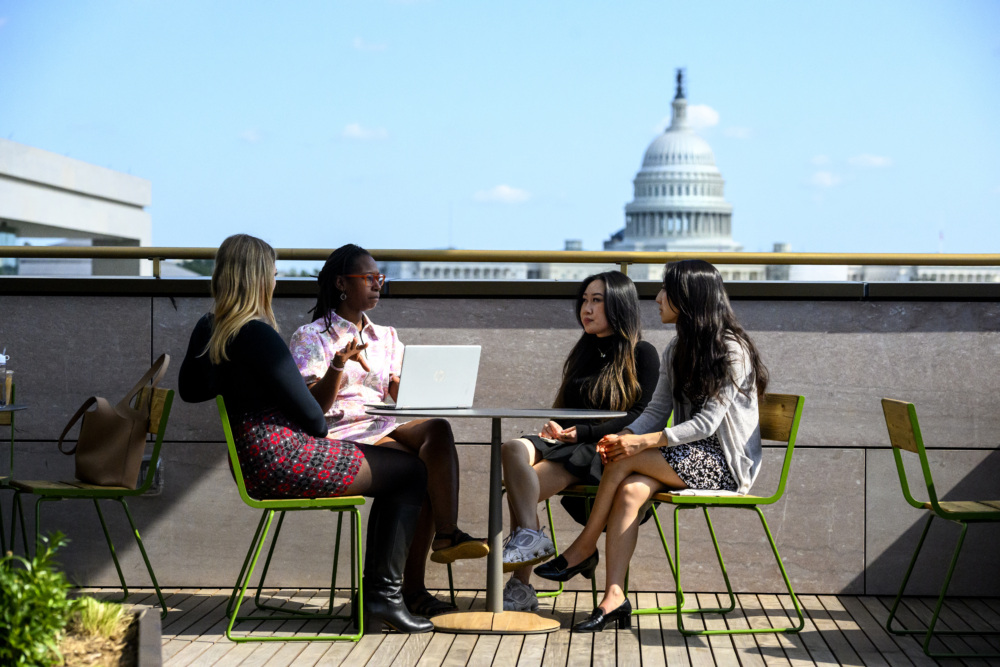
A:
[678,194]
[678,148]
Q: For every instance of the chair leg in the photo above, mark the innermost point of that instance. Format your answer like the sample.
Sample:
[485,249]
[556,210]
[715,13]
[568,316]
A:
[672,609]
[336,563]
[239,591]
[107,537]
[325,614]
[784,575]
[246,574]
[267,565]
[777,558]
[145,557]
[246,563]
[552,531]
[3,531]
[451,584]
[928,632]
[906,579]
[17,511]
[593,580]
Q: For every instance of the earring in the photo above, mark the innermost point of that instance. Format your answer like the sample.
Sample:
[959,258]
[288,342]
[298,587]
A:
[343,296]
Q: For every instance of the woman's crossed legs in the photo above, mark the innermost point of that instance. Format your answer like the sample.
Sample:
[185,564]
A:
[627,486]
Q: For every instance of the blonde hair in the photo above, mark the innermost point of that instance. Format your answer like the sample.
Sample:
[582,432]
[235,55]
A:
[241,288]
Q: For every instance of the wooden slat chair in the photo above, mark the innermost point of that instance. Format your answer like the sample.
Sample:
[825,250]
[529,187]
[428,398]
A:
[340,505]
[159,401]
[779,421]
[904,433]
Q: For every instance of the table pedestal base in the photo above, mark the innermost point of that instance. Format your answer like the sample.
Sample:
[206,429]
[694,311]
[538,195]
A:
[490,623]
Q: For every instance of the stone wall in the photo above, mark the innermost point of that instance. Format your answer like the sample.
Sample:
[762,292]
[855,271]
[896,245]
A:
[842,526]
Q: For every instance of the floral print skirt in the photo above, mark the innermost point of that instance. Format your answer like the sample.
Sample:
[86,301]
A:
[701,465]
[280,461]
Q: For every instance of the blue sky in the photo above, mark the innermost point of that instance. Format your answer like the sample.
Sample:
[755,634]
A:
[838,126]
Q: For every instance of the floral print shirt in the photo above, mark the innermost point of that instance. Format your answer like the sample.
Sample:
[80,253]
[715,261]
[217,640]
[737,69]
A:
[313,348]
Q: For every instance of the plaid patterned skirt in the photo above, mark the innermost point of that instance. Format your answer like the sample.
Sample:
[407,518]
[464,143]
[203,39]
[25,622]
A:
[280,461]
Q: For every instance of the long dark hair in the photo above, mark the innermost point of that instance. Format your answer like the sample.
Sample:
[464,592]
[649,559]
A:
[705,322]
[618,381]
[341,261]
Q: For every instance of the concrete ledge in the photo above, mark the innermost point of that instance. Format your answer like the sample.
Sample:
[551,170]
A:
[513,289]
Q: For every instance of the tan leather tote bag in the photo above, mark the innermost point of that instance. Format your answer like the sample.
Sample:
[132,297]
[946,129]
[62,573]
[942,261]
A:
[112,438]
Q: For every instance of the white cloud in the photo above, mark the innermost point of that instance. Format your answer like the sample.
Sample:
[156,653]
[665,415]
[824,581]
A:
[361,45]
[738,132]
[251,136]
[701,116]
[867,160]
[503,194]
[357,131]
[820,160]
[825,179]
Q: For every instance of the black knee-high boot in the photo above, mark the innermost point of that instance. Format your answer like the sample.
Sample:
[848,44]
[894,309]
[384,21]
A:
[391,526]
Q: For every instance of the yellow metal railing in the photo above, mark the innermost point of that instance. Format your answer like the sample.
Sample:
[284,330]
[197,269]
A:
[623,259]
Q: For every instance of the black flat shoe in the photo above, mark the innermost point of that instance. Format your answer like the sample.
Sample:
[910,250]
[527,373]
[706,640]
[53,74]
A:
[622,615]
[558,569]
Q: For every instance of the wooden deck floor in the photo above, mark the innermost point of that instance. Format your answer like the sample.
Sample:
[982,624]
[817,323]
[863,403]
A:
[840,630]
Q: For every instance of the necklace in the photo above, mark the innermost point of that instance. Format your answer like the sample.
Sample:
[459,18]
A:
[602,353]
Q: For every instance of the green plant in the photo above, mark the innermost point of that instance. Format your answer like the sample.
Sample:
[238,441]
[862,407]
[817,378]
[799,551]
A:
[96,618]
[34,606]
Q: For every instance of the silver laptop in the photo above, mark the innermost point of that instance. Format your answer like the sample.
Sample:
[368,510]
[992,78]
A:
[436,376]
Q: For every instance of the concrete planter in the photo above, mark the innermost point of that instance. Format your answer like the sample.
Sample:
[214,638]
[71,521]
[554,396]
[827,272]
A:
[150,639]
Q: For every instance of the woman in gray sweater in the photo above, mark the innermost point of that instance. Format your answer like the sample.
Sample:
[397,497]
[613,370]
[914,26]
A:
[710,379]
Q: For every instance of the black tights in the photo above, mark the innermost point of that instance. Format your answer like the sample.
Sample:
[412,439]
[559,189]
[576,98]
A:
[390,475]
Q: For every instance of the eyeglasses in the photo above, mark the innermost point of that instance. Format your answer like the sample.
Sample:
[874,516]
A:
[371,279]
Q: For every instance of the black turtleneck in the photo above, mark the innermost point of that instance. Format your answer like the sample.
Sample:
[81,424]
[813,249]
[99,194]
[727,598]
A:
[648,368]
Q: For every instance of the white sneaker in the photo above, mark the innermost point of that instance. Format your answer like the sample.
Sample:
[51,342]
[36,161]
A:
[526,547]
[519,596]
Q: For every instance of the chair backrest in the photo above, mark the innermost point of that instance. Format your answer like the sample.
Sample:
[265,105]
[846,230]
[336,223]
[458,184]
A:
[159,401]
[779,416]
[234,458]
[904,434]
[7,418]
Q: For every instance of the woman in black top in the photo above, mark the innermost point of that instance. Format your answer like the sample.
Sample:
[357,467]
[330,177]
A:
[279,428]
[609,368]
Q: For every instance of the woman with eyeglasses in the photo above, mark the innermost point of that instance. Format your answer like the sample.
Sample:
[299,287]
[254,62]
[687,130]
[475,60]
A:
[348,361]
[279,428]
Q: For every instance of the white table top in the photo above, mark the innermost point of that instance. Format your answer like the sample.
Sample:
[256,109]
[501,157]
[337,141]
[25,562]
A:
[499,413]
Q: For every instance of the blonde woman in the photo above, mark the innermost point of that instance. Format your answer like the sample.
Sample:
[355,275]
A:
[279,427]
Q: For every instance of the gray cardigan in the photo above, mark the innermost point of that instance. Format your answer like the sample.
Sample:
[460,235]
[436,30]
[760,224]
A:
[732,415]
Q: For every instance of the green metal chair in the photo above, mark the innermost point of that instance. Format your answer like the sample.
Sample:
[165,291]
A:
[340,505]
[159,401]
[904,433]
[7,419]
[779,421]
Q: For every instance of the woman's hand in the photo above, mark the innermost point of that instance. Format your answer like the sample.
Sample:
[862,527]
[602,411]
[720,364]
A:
[615,447]
[393,389]
[568,435]
[351,352]
[551,430]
